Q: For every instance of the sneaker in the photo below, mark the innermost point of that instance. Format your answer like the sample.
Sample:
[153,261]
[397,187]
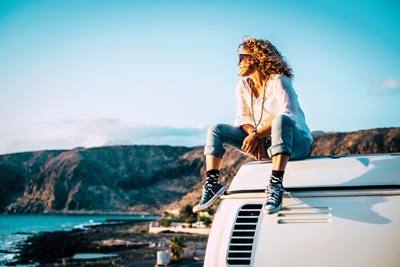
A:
[210,194]
[274,198]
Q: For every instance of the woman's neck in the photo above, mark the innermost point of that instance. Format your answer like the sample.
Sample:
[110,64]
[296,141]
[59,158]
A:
[259,81]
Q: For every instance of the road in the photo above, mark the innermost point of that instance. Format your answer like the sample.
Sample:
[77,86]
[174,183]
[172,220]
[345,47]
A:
[192,263]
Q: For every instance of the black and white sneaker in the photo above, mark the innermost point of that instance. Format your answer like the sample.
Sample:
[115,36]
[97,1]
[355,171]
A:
[273,202]
[210,194]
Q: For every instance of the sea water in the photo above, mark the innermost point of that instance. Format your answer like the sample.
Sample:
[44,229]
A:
[16,228]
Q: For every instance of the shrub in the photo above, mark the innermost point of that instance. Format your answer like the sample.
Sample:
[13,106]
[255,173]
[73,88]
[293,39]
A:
[206,220]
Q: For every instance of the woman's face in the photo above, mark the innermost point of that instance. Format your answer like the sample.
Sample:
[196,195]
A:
[245,67]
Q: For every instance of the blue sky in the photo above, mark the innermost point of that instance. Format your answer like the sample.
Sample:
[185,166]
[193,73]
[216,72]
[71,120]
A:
[90,73]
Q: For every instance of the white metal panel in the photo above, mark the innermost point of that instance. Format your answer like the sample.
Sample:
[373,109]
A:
[344,171]
[360,231]
[315,231]
[317,228]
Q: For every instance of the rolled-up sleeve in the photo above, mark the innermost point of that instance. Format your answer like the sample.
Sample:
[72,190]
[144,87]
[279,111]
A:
[243,113]
[289,104]
[286,97]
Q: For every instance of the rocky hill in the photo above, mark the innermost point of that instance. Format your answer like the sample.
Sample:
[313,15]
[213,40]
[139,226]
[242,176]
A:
[139,179]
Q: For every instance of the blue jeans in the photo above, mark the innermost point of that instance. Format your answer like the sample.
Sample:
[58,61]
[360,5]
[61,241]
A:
[285,139]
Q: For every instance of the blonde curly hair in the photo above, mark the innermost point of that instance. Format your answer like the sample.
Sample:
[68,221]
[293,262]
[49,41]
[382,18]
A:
[266,57]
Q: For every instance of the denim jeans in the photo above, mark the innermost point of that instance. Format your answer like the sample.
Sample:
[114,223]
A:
[285,138]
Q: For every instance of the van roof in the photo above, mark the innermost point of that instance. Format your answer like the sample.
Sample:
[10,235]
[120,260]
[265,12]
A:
[332,171]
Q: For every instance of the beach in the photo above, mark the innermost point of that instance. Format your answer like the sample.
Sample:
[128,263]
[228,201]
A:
[125,243]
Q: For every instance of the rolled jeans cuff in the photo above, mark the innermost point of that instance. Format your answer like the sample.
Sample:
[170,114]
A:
[215,151]
[280,149]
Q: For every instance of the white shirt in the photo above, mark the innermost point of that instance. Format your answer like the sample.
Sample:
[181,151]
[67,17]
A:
[280,98]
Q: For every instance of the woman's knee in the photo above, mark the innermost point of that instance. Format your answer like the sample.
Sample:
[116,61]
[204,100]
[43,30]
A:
[216,127]
[217,130]
[215,135]
[213,128]
[214,143]
[282,121]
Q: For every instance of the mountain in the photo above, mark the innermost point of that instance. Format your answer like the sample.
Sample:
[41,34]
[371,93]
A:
[140,179]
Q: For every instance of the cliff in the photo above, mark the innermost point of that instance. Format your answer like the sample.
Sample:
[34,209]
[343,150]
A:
[139,179]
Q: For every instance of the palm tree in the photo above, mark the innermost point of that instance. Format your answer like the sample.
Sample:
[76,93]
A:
[176,247]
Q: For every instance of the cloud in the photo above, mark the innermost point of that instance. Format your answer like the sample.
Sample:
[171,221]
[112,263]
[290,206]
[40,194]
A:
[389,85]
[68,134]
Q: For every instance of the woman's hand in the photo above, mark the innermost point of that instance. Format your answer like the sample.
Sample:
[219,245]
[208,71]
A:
[250,143]
[254,143]
[260,153]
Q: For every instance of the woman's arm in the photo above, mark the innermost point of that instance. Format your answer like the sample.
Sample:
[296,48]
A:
[253,143]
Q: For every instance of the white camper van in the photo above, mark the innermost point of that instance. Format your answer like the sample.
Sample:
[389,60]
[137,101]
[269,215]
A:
[337,211]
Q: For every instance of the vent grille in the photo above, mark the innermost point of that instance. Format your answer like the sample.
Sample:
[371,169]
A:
[242,238]
[292,215]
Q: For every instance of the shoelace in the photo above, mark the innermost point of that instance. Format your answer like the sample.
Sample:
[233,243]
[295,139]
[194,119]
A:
[207,189]
[273,193]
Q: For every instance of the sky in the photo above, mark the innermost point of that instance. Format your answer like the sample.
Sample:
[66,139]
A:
[93,73]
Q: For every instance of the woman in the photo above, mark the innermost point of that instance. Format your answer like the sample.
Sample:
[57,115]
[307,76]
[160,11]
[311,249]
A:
[269,122]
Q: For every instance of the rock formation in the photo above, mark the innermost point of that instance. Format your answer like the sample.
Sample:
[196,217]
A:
[139,179]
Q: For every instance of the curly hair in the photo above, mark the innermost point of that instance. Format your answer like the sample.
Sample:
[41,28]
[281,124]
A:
[265,55]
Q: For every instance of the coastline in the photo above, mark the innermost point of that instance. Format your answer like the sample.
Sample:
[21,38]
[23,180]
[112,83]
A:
[124,243]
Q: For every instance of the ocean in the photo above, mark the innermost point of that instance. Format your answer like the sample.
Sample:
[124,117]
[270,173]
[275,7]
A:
[17,228]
